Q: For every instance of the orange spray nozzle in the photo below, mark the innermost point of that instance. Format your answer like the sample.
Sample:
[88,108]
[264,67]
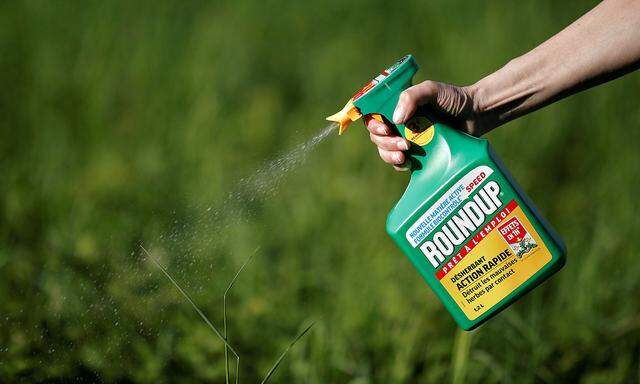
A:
[346,116]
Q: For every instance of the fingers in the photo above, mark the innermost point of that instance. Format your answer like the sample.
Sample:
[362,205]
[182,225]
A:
[391,157]
[402,167]
[412,97]
[395,158]
[389,143]
[382,136]
[376,127]
[390,146]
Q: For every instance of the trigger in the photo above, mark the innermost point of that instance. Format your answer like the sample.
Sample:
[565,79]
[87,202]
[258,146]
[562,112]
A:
[378,117]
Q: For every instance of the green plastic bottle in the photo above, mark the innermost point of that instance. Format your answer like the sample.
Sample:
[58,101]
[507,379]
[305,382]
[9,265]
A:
[464,223]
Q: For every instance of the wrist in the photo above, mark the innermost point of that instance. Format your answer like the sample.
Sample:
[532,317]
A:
[481,119]
[495,97]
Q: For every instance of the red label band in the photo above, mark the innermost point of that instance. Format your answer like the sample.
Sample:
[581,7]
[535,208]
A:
[477,238]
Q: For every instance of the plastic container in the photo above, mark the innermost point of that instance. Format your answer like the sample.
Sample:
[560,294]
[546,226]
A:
[469,230]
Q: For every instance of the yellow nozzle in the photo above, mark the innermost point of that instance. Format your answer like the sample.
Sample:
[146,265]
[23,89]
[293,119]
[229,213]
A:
[346,116]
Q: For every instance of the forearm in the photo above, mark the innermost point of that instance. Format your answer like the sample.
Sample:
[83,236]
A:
[601,45]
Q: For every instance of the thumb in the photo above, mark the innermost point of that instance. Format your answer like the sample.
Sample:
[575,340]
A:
[413,97]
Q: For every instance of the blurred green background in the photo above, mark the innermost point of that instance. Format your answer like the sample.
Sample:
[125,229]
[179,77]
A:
[127,123]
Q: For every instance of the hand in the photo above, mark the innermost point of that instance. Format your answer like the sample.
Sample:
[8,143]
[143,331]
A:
[451,105]
[601,50]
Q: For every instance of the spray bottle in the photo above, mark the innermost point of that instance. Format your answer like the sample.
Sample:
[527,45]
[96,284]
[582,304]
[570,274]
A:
[463,222]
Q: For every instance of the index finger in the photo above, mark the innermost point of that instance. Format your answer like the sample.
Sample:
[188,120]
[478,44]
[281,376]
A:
[376,127]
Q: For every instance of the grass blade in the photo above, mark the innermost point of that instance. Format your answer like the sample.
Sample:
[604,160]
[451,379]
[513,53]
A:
[461,349]
[197,309]
[284,353]
[224,315]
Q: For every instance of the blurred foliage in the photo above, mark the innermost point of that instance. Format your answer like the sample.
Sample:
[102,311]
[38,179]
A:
[128,122]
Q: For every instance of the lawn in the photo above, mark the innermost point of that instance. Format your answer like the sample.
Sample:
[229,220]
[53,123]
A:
[139,123]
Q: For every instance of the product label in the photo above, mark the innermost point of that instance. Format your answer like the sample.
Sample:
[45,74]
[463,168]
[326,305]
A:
[449,201]
[480,243]
[489,267]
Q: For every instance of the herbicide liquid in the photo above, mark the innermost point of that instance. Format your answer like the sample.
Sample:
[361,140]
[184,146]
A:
[464,223]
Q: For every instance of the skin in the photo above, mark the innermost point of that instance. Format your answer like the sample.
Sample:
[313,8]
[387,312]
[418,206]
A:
[598,47]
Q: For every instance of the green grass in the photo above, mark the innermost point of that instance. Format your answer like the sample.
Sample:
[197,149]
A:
[224,338]
[127,123]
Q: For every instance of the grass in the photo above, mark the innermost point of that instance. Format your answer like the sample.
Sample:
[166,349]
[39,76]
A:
[122,123]
[461,349]
[224,338]
[224,319]
[201,315]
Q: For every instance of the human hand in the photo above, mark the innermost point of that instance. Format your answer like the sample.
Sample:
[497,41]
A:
[451,105]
